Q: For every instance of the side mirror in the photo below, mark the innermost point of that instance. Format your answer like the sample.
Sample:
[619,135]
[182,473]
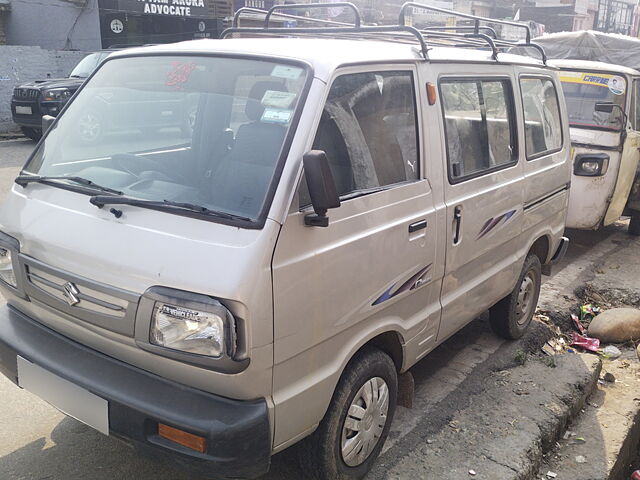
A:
[47,120]
[605,107]
[322,188]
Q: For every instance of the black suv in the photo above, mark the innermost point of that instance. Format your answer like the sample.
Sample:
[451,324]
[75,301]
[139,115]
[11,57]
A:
[32,100]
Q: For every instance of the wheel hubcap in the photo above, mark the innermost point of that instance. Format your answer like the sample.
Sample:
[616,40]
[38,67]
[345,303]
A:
[365,421]
[525,298]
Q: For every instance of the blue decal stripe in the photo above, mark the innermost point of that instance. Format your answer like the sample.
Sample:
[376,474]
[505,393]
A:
[410,284]
[493,222]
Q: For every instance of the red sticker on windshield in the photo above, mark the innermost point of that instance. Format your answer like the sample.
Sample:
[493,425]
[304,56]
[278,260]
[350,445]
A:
[179,74]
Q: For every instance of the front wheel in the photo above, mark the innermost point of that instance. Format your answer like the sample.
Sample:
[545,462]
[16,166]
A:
[355,427]
[512,315]
[634,224]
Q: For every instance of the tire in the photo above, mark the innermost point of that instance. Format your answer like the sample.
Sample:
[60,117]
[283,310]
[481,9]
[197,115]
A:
[512,315]
[321,454]
[634,224]
[33,133]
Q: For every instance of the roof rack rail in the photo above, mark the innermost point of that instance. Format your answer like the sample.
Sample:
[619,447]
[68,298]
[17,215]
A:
[240,11]
[294,6]
[476,27]
[462,28]
[335,30]
[477,19]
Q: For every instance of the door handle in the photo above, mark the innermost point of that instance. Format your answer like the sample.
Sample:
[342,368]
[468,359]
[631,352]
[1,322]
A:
[419,225]
[457,219]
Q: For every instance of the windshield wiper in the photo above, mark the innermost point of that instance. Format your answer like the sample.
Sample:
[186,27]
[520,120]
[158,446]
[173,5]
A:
[102,200]
[23,180]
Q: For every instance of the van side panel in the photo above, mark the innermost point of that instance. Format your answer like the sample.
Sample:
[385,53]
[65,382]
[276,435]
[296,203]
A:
[483,264]
[338,287]
[547,181]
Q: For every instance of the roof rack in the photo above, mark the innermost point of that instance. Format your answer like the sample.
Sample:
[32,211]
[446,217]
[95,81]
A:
[469,36]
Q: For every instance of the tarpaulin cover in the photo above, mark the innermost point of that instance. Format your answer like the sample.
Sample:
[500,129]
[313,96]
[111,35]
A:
[593,46]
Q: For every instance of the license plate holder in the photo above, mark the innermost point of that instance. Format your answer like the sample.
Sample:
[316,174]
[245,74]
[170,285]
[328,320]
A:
[67,397]
[21,110]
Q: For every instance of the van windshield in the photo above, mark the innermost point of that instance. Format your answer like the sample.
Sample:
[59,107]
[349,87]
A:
[206,131]
[582,90]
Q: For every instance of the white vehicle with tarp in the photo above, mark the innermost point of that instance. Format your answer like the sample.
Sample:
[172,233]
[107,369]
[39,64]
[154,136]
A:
[600,78]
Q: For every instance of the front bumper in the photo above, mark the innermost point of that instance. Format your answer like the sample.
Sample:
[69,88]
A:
[237,432]
[38,110]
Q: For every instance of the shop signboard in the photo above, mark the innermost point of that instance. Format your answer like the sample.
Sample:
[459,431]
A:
[260,4]
[173,8]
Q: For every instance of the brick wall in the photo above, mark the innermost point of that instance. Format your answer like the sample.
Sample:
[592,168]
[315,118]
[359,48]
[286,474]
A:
[19,64]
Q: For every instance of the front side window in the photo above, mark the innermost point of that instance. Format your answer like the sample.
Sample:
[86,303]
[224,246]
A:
[479,126]
[204,131]
[582,90]
[543,128]
[368,131]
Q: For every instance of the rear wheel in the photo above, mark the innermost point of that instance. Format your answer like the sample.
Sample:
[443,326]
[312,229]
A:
[33,133]
[355,427]
[512,315]
[634,223]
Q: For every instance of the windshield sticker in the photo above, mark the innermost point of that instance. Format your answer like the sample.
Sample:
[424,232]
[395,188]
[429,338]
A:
[276,115]
[615,83]
[179,74]
[284,71]
[276,99]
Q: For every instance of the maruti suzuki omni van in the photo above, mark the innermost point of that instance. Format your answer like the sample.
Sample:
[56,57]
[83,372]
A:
[337,210]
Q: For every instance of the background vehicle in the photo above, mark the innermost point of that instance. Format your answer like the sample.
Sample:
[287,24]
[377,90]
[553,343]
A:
[30,101]
[228,315]
[602,101]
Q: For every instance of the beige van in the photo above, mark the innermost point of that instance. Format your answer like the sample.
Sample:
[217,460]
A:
[338,208]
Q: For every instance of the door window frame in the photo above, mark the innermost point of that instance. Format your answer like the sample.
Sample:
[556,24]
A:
[405,67]
[511,115]
[527,76]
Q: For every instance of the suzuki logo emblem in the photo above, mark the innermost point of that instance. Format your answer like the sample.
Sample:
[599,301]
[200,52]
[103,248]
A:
[71,292]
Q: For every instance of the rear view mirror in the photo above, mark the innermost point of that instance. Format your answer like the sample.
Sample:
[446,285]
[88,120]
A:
[605,107]
[322,188]
[47,120]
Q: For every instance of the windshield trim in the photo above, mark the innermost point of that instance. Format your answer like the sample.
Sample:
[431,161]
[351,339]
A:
[624,104]
[261,219]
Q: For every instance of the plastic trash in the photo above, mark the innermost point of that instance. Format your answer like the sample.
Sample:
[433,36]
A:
[587,343]
[578,324]
[611,352]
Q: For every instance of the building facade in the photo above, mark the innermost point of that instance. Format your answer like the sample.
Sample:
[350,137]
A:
[94,24]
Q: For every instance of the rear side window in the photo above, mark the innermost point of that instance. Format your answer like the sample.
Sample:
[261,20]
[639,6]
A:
[543,128]
[368,131]
[479,126]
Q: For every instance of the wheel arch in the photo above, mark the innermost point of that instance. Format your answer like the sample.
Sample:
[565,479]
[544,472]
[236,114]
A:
[541,247]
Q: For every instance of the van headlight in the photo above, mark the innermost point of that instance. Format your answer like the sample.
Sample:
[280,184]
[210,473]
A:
[189,330]
[193,328]
[7,274]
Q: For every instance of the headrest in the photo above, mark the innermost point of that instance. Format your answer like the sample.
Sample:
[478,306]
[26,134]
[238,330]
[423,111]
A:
[254,108]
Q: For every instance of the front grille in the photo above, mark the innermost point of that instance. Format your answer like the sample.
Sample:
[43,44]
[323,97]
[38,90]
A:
[85,300]
[26,93]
